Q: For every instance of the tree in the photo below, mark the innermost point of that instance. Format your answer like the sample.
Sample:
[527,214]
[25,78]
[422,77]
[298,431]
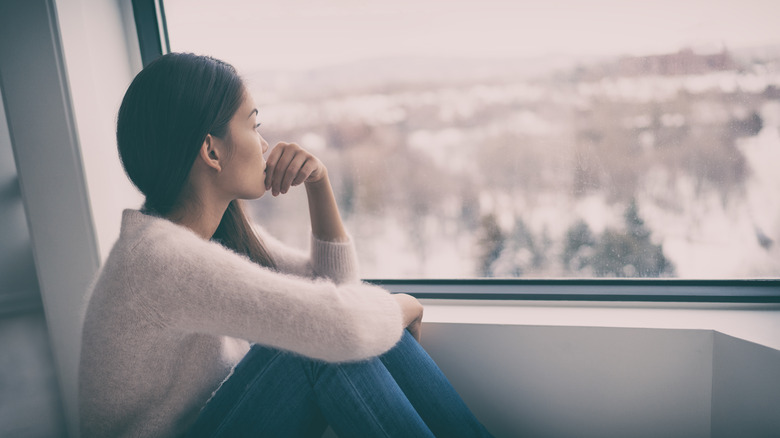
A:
[630,253]
[746,127]
[490,244]
[635,226]
[578,247]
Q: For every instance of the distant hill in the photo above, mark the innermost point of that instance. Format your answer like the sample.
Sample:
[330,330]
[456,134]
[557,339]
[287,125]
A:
[389,73]
[373,74]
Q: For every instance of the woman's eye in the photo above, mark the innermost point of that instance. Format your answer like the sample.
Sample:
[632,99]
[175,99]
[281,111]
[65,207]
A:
[257,125]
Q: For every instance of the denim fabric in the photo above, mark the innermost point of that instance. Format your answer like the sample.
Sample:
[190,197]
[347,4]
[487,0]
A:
[273,393]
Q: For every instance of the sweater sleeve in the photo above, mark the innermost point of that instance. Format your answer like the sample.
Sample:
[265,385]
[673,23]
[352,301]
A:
[336,261]
[192,285]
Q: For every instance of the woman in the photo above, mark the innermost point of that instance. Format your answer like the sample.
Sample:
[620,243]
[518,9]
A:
[189,285]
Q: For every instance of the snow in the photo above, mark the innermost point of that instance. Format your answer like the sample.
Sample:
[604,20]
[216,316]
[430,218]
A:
[655,88]
[707,239]
[703,233]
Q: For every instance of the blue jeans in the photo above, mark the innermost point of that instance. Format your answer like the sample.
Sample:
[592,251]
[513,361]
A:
[273,393]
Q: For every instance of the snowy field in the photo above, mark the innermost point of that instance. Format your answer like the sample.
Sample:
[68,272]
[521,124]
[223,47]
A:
[420,173]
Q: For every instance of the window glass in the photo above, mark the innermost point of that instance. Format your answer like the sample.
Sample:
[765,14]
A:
[534,139]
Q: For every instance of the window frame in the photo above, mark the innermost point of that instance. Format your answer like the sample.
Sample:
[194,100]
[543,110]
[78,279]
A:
[587,289]
[153,40]
[151,28]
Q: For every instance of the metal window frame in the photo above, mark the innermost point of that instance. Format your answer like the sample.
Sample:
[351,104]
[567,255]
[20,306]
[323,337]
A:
[153,40]
[597,289]
[152,29]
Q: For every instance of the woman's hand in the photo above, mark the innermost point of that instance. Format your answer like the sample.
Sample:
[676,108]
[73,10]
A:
[290,165]
[412,312]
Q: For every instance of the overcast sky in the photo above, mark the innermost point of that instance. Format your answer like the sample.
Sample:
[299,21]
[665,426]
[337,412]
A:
[300,34]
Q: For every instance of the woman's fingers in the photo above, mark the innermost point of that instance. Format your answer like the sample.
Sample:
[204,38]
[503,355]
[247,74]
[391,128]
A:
[271,164]
[289,165]
[293,171]
[416,329]
[306,170]
[412,312]
[278,161]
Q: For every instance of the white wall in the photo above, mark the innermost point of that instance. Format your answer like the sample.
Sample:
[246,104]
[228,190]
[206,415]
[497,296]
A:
[600,369]
[64,65]
[759,323]
[45,143]
[587,382]
[101,53]
[745,389]
[19,285]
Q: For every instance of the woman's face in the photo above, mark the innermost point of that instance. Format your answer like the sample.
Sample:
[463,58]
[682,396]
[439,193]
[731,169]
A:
[243,173]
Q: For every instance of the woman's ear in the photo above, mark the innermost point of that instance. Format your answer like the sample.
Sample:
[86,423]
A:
[210,153]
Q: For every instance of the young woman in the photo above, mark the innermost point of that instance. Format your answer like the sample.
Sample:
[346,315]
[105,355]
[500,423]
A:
[190,285]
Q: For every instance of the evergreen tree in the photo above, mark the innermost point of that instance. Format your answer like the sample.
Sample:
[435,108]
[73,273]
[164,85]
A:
[518,254]
[578,247]
[523,252]
[746,127]
[630,253]
[635,226]
[490,244]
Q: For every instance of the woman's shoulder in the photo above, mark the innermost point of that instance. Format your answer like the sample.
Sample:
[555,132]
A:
[150,254]
[145,234]
[148,247]
[125,275]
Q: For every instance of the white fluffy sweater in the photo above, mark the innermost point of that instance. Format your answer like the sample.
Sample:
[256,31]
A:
[170,314]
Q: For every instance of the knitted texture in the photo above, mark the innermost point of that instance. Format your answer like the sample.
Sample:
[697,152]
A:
[170,314]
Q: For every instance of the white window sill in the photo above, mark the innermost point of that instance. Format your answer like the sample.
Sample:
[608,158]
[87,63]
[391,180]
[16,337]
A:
[759,323]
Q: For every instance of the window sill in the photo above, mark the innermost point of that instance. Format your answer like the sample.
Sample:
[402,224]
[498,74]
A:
[754,322]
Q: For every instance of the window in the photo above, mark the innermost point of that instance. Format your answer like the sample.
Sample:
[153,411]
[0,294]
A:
[471,139]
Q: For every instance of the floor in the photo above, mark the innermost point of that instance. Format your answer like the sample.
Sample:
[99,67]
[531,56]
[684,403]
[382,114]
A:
[29,397]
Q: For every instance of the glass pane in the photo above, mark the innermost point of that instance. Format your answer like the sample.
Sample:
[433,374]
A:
[488,138]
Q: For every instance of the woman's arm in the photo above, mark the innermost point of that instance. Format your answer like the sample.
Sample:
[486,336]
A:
[332,253]
[290,165]
[324,213]
[336,261]
[195,286]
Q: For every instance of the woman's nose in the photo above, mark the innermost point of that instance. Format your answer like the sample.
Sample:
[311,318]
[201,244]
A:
[265,144]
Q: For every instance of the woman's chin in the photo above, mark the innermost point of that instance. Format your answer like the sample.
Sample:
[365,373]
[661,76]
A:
[254,195]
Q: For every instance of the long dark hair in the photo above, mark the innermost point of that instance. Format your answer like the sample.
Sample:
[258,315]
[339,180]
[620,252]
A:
[167,111]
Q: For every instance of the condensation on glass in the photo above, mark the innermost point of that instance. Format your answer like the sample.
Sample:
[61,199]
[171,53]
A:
[520,139]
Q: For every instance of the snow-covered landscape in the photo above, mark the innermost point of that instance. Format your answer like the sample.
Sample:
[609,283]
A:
[586,170]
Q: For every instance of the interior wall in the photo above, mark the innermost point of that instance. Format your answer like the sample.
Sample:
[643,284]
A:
[30,402]
[19,285]
[579,381]
[746,389]
[64,66]
[68,63]
[44,137]
[29,393]
[100,51]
